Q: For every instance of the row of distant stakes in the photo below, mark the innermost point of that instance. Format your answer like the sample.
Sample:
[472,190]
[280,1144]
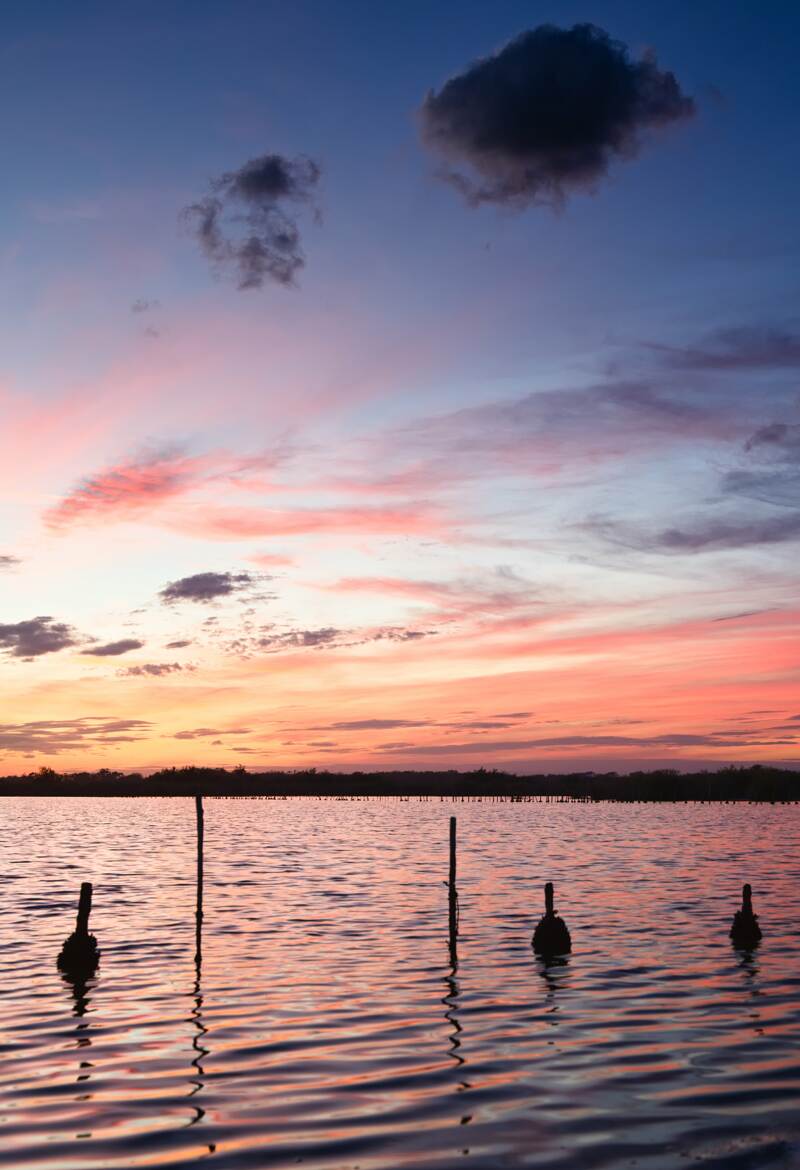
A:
[80,953]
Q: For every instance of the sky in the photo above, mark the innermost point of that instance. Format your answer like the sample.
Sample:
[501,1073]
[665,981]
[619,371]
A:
[390,386]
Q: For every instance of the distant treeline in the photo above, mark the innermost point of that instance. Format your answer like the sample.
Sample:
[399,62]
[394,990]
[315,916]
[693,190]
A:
[757,783]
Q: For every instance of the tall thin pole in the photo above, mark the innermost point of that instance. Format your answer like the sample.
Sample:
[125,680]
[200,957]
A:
[452,899]
[198,800]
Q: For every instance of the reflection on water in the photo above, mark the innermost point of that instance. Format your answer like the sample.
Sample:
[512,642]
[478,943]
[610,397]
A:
[289,982]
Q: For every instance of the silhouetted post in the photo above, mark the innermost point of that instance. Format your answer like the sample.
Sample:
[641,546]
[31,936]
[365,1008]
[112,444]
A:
[80,954]
[548,898]
[551,936]
[452,899]
[452,852]
[198,801]
[84,909]
[745,931]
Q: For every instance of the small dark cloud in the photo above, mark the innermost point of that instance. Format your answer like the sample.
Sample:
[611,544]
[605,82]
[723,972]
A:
[112,649]
[326,636]
[152,669]
[141,305]
[378,724]
[8,562]
[37,636]
[179,645]
[205,732]
[243,225]
[204,587]
[548,114]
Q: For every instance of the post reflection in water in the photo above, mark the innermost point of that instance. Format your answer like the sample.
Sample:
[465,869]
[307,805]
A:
[450,999]
[197,1080]
[80,987]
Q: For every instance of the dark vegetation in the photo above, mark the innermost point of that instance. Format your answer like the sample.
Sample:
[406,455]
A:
[756,783]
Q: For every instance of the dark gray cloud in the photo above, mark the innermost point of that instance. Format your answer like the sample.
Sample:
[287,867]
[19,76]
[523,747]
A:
[548,114]
[8,562]
[50,736]
[676,739]
[205,732]
[141,305]
[377,724]
[179,645]
[37,636]
[770,470]
[204,587]
[315,638]
[244,226]
[745,347]
[152,669]
[112,649]
[707,533]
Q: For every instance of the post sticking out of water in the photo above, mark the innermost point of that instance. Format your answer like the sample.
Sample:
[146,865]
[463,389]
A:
[452,899]
[551,936]
[452,852]
[745,931]
[198,801]
[80,954]
[84,909]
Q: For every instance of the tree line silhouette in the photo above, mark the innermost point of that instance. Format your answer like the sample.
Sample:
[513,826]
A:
[754,783]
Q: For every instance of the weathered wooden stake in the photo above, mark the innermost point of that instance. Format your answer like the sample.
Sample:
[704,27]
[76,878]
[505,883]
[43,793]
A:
[452,852]
[452,899]
[80,954]
[84,909]
[745,931]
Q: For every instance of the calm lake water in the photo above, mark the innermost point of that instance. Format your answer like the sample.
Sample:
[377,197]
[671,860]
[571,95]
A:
[329,1028]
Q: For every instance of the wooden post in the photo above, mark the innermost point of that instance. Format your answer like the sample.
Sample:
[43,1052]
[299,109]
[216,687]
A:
[548,898]
[747,900]
[452,899]
[84,909]
[198,800]
[452,852]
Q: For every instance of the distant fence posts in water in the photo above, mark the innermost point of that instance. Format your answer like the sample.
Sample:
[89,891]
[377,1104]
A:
[80,953]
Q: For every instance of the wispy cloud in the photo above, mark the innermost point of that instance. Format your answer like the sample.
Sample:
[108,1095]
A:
[255,198]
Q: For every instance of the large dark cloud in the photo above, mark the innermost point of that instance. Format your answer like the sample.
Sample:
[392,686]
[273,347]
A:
[37,636]
[112,649]
[244,226]
[206,587]
[547,115]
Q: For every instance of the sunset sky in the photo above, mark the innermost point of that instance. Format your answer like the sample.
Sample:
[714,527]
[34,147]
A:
[347,422]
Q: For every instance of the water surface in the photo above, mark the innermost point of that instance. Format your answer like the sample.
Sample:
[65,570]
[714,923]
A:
[330,1023]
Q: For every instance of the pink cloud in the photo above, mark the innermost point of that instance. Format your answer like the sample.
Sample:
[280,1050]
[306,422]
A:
[414,519]
[126,489]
